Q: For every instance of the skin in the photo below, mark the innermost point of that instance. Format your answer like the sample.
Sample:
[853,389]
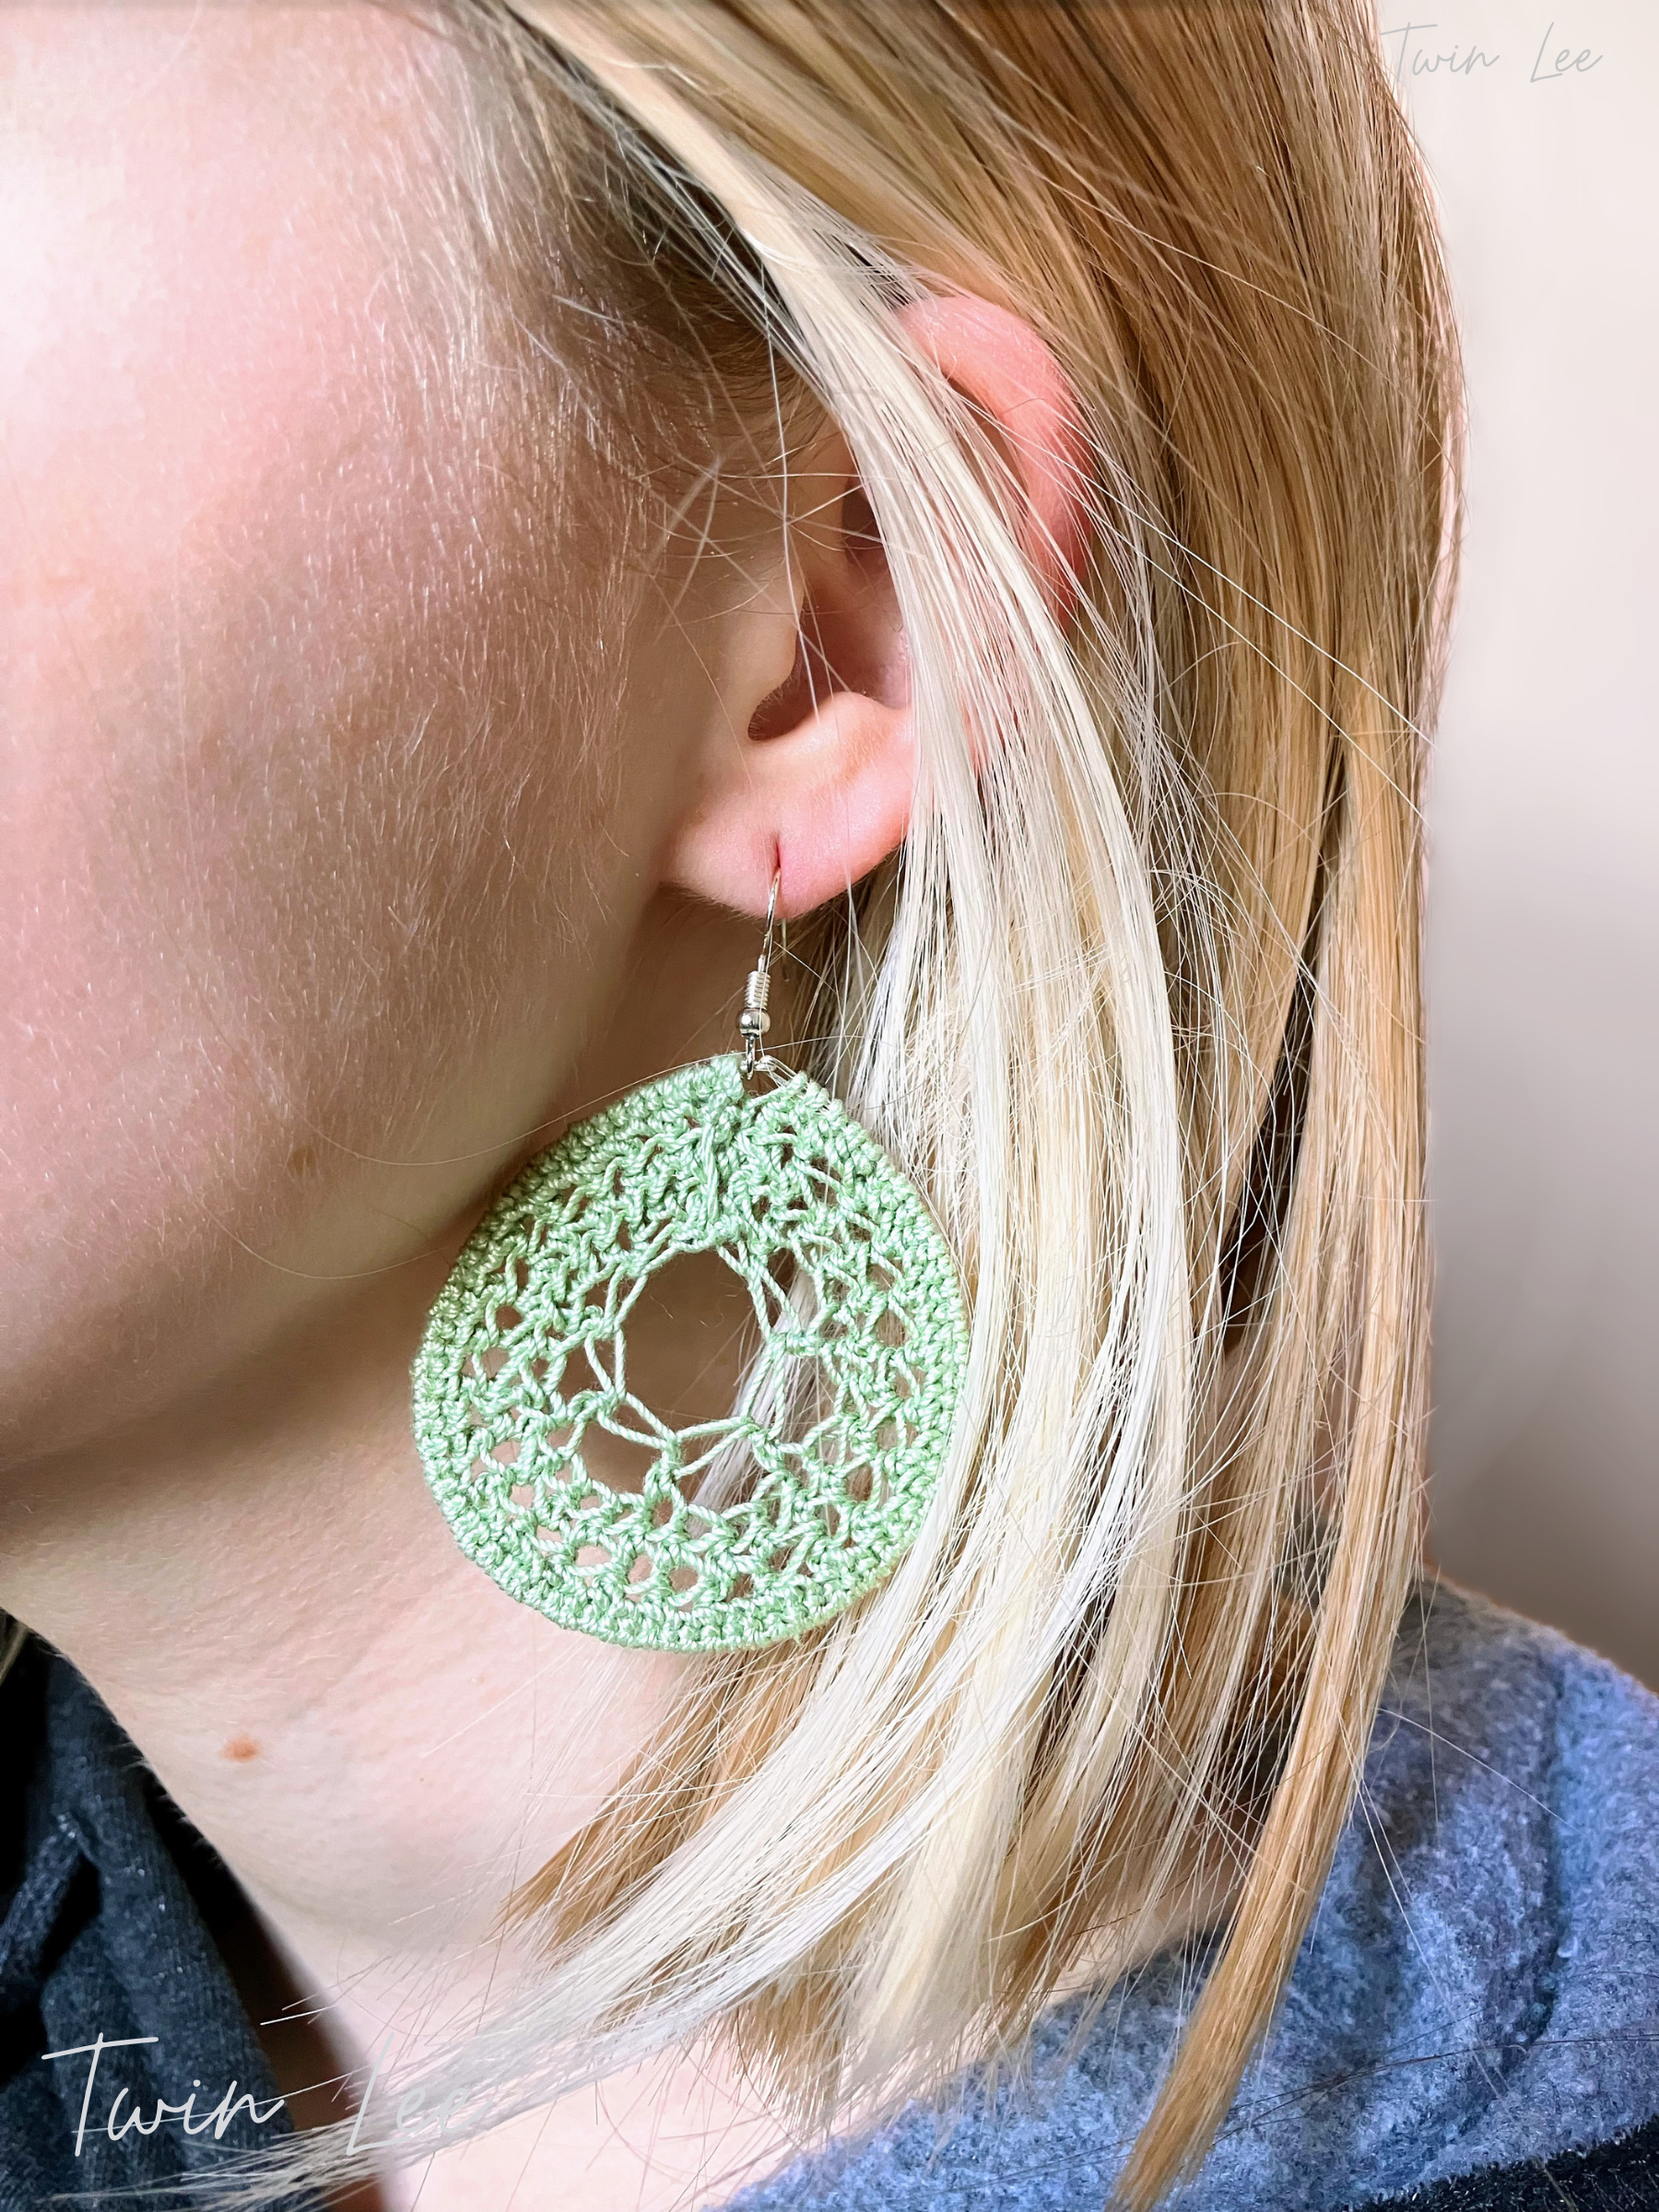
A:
[286,992]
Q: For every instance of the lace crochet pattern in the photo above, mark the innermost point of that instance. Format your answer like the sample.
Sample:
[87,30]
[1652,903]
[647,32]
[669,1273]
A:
[750,1528]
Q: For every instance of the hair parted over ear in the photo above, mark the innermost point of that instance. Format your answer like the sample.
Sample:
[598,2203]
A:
[1130,326]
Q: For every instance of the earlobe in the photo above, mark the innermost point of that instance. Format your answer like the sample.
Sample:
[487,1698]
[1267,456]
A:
[822,803]
[835,827]
[812,775]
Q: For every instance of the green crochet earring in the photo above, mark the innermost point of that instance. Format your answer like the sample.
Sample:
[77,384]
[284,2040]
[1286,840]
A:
[749,1529]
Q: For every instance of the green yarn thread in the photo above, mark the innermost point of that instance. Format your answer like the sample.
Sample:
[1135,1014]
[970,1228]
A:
[835,1449]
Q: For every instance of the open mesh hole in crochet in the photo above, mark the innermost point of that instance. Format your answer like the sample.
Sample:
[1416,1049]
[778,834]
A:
[697,1329]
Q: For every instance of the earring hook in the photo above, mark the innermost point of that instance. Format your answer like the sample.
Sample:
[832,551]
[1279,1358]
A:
[754,1021]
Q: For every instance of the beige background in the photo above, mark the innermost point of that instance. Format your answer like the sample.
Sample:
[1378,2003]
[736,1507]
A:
[1544,1014]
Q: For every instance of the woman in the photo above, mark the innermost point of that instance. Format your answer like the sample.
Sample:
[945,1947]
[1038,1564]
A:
[521,516]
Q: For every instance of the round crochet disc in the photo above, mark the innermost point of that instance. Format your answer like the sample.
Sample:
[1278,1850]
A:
[746,1529]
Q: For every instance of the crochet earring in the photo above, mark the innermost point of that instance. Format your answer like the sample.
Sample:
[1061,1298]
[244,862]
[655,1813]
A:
[749,1529]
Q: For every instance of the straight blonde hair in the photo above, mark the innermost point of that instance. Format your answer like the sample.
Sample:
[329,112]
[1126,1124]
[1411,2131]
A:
[1136,1007]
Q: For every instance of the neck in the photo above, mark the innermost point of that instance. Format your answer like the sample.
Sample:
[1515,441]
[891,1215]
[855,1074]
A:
[379,1742]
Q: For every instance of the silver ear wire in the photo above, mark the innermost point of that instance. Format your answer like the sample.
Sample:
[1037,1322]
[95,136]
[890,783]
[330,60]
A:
[754,1021]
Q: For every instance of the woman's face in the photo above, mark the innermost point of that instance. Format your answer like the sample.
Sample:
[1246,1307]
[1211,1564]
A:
[310,869]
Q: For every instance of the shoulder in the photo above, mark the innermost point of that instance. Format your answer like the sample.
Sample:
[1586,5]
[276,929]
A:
[1502,1857]
[1480,1983]
[1513,1778]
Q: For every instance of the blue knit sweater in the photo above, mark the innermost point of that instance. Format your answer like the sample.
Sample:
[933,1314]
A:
[1480,1984]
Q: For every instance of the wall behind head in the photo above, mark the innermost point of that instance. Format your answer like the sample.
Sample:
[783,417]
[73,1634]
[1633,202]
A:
[1541,130]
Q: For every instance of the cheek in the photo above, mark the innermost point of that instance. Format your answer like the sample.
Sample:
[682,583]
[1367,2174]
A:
[266,802]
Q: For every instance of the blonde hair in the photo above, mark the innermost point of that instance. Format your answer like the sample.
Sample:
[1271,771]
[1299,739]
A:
[1136,1007]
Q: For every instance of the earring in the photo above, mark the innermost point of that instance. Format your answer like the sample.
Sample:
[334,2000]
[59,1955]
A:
[749,1529]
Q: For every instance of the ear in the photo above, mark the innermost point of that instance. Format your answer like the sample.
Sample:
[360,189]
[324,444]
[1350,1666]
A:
[807,763]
